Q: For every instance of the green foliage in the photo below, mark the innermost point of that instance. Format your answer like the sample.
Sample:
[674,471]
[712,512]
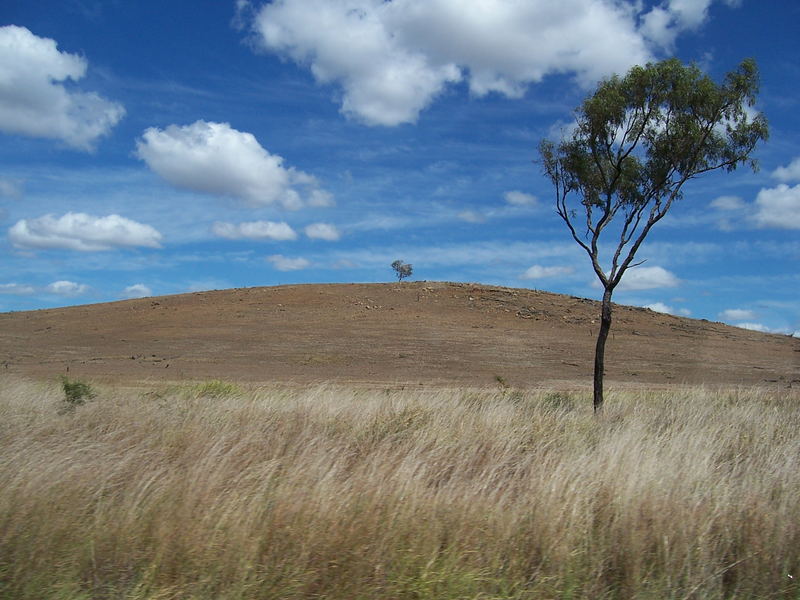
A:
[402,269]
[216,388]
[638,140]
[76,392]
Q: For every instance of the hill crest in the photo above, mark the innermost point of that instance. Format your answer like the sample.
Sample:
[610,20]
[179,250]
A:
[399,333]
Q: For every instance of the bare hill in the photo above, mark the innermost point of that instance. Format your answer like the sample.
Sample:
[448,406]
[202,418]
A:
[409,333]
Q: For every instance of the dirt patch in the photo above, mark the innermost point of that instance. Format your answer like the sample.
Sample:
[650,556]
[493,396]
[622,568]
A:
[408,333]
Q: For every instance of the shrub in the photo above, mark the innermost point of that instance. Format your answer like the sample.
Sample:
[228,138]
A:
[76,392]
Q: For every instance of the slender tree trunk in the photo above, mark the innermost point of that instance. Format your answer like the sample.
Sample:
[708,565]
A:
[600,350]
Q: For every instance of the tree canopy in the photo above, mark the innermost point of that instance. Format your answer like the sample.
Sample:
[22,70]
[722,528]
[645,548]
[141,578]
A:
[637,140]
[402,269]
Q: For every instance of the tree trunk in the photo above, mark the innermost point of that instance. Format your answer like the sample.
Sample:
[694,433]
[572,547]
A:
[600,350]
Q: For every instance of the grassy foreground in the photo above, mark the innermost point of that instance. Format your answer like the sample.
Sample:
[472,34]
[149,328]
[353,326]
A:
[216,493]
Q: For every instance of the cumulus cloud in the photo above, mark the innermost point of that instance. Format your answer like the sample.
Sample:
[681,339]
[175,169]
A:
[320,198]
[384,81]
[540,272]
[660,307]
[689,13]
[254,230]
[60,288]
[737,314]
[79,231]
[33,99]
[137,290]
[762,328]
[789,173]
[664,22]
[214,158]
[647,278]
[67,288]
[392,59]
[658,26]
[16,289]
[323,231]
[666,309]
[778,207]
[284,263]
[517,198]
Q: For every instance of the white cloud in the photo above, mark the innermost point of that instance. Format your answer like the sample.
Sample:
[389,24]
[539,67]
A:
[214,158]
[320,198]
[137,290]
[520,198]
[666,309]
[16,289]
[728,203]
[323,231]
[255,230]
[779,207]
[663,23]
[284,263]
[737,314]
[658,26]
[384,82]
[689,13]
[540,272]
[789,173]
[761,328]
[67,288]
[647,278]
[33,100]
[79,231]
[392,59]
[660,307]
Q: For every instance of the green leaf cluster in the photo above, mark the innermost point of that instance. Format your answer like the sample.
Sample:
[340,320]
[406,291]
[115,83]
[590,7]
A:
[75,391]
[639,138]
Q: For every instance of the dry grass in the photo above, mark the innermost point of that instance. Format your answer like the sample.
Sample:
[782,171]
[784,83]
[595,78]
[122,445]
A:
[343,493]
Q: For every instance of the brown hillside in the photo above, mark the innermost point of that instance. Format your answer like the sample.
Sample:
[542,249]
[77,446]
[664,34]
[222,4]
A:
[418,332]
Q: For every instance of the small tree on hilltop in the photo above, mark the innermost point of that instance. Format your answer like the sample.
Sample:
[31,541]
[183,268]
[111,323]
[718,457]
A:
[638,140]
[402,270]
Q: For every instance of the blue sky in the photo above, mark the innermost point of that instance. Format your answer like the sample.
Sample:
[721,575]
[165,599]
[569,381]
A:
[151,148]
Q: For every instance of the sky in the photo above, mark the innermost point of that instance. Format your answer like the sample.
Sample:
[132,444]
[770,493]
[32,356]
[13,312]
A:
[151,148]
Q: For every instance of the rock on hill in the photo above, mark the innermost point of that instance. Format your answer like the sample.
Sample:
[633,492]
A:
[409,333]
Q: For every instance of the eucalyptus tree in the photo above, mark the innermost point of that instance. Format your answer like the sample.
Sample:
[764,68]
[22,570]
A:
[402,269]
[638,140]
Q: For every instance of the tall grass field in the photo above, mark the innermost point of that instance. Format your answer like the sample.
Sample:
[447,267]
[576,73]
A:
[218,492]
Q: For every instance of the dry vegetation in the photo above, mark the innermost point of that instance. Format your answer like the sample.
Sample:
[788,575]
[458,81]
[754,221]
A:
[219,492]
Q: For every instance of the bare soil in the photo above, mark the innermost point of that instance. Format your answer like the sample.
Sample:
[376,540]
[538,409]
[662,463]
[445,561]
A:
[386,334]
